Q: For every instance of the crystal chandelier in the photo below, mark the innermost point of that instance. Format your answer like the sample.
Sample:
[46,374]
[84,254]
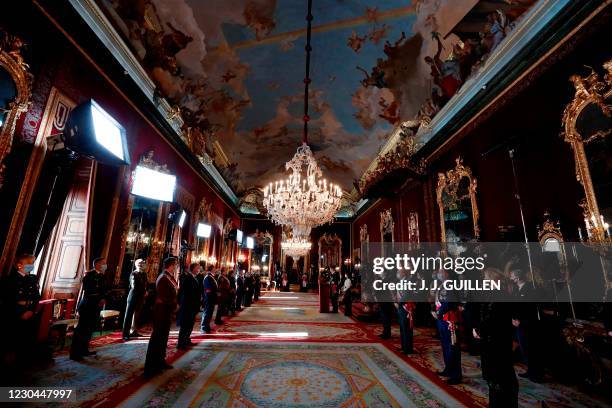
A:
[296,247]
[303,200]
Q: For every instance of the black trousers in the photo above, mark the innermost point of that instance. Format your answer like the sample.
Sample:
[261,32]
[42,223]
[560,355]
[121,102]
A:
[348,304]
[88,321]
[334,302]
[158,343]
[239,296]
[406,332]
[186,327]
[386,314]
[133,308]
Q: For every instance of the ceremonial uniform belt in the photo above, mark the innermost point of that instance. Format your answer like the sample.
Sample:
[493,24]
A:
[24,302]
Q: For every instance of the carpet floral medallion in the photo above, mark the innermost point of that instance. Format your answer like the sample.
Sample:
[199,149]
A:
[292,374]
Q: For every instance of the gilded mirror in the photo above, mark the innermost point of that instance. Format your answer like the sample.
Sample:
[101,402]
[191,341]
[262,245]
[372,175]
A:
[15,91]
[456,196]
[587,124]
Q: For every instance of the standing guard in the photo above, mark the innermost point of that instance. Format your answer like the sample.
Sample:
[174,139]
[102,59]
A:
[92,301]
[135,300]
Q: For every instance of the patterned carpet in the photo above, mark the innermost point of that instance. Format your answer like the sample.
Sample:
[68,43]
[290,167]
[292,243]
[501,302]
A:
[289,313]
[291,374]
[282,352]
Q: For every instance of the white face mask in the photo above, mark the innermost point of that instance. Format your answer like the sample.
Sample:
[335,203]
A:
[28,268]
[103,268]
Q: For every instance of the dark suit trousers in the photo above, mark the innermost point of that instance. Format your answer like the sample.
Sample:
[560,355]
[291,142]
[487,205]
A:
[132,313]
[186,327]
[156,351]
[406,332]
[88,320]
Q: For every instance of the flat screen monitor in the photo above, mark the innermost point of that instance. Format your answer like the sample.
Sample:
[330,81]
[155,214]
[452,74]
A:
[92,132]
[239,236]
[250,243]
[203,230]
[153,184]
[182,217]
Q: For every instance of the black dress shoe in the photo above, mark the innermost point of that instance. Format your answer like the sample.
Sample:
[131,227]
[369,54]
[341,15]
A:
[166,366]
[125,338]
[181,347]
[136,334]
[90,353]
[442,373]
[384,336]
[220,322]
[453,381]
[76,358]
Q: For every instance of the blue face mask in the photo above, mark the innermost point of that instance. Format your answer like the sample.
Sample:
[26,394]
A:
[28,268]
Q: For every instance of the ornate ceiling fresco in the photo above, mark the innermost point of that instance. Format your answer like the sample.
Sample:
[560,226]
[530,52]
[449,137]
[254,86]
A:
[235,70]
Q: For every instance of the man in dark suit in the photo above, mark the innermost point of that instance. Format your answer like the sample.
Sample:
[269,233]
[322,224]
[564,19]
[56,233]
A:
[209,299]
[231,299]
[525,317]
[189,304]
[165,305]
[135,300]
[248,289]
[92,301]
[239,290]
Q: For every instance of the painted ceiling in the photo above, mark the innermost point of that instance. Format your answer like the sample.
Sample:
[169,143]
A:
[240,68]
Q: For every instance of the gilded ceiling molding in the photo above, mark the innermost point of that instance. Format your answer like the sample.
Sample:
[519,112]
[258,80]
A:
[12,62]
[535,20]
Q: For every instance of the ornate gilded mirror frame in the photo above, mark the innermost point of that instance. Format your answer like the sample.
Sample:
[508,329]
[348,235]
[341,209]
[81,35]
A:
[449,183]
[589,90]
[12,62]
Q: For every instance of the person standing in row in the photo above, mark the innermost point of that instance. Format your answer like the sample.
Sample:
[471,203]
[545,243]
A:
[223,289]
[334,285]
[189,294]
[346,295]
[165,305]
[209,299]
[256,286]
[231,300]
[239,290]
[447,316]
[248,289]
[20,296]
[92,301]
[135,300]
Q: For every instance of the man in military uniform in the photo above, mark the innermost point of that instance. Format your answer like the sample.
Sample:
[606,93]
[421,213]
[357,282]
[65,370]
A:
[189,294]
[446,314]
[406,307]
[163,310]
[135,300]
[209,299]
[20,296]
[92,301]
